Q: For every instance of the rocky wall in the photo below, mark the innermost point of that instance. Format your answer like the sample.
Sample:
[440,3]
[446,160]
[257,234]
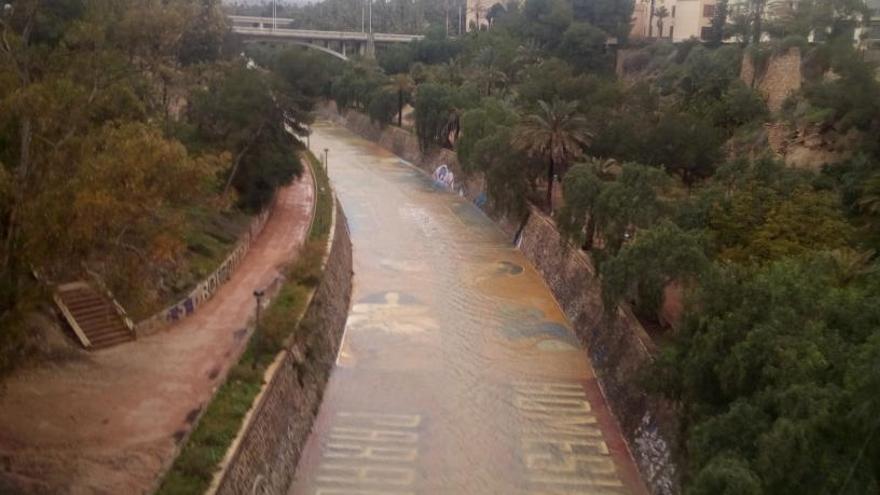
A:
[618,347]
[264,456]
[780,78]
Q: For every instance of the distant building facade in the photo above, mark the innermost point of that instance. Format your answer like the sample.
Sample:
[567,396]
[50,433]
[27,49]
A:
[479,12]
[684,19]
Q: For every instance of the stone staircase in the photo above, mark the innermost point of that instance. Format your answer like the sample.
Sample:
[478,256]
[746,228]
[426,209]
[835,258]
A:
[94,316]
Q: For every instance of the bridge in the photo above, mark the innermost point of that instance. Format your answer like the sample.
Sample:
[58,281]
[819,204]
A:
[339,44]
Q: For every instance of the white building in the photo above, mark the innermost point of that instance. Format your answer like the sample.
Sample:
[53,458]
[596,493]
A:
[477,12]
[684,19]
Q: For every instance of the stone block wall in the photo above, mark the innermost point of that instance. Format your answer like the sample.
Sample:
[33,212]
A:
[264,456]
[778,80]
[619,347]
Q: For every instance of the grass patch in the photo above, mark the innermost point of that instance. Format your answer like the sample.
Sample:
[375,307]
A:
[324,200]
[210,237]
[198,461]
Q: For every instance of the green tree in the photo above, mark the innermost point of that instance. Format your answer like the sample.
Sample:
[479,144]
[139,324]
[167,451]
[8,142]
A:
[684,145]
[396,59]
[611,16]
[383,106]
[726,476]
[556,134]
[758,224]
[581,189]
[643,268]
[629,203]
[310,72]
[661,14]
[764,371]
[248,113]
[546,21]
[584,46]
[719,22]
[485,147]
[403,85]
[437,113]
[204,33]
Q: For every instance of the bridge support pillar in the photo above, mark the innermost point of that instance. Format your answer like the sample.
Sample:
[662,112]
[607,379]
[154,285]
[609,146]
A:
[371,47]
[344,53]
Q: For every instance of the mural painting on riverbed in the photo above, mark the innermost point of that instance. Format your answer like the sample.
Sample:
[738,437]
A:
[372,449]
[400,319]
[562,445]
[618,348]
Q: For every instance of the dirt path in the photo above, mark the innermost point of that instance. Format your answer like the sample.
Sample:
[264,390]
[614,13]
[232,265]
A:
[110,422]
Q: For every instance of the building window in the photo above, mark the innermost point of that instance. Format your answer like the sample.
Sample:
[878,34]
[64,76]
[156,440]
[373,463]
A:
[705,33]
[708,10]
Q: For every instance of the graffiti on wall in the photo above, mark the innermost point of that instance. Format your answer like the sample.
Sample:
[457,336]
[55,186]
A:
[206,289]
[443,177]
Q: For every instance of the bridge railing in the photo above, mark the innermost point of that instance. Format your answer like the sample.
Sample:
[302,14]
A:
[325,35]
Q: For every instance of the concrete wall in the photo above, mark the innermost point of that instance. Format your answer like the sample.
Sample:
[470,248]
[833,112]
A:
[206,289]
[689,19]
[618,347]
[264,456]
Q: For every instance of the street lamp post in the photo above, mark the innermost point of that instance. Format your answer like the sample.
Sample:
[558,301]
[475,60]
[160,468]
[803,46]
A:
[258,295]
[327,161]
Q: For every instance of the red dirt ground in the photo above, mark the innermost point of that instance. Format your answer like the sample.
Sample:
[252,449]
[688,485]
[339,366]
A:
[110,423]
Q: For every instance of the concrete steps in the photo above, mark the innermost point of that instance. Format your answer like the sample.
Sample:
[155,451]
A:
[94,317]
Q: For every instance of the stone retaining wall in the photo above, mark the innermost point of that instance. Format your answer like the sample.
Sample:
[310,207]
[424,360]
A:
[206,289]
[264,457]
[618,349]
[779,79]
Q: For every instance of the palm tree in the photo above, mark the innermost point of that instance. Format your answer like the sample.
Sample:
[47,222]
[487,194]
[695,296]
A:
[660,14]
[556,133]
[403,85]
[488,73]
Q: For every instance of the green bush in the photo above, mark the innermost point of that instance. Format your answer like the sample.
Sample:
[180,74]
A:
[382,108]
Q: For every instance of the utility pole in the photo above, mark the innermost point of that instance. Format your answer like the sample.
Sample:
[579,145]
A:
[327,161]
[363,15]
[274,15]
[258,295]
[459,19]
[371,44]
[446,8]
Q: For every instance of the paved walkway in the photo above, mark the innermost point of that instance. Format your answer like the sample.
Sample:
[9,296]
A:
[110,422]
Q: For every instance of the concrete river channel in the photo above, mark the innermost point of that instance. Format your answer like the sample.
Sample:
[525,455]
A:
[458,372]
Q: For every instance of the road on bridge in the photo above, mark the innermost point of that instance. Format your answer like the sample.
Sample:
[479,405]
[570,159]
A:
[458,373]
